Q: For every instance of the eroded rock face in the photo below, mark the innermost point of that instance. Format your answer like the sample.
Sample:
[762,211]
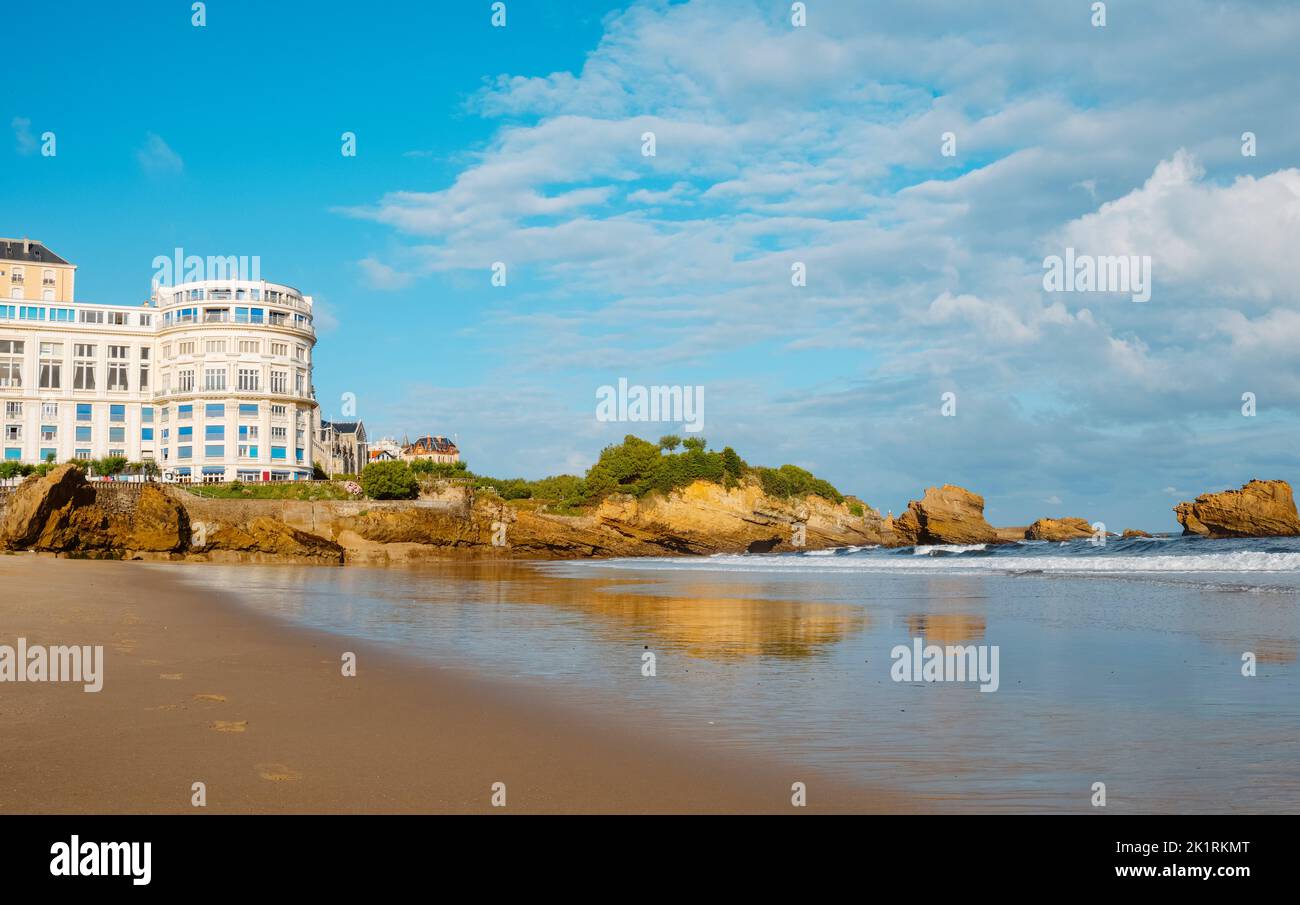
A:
[270,537]
[701,518]
[33,504]
[1258,509]
[1134,532]
[1059,529]
[945,515]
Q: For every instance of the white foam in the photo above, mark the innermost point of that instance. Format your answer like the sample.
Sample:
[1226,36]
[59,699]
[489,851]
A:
[923,550]
[1100,564]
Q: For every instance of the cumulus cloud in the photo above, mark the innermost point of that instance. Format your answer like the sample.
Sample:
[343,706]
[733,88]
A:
[820,146]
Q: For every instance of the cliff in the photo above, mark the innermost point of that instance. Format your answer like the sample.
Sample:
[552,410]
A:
[62,513]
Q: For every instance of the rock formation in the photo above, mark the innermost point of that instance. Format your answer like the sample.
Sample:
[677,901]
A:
[1134,532]
[1258,509]
[1059,529]
[945,515]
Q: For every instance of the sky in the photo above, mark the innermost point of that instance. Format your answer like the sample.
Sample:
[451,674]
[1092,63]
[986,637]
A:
[818,146]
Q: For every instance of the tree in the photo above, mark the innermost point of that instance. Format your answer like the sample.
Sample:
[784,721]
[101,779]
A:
[109,465]
[670,442]
[733,467]
[694,444]
[389,481]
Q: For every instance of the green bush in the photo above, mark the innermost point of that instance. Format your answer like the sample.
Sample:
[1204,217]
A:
[389,481]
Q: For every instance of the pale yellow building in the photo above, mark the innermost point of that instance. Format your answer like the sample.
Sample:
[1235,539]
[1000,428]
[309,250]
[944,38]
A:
[31,272]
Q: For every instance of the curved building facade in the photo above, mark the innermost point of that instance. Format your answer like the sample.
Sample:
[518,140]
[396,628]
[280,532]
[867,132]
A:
[211,380]
[234,397]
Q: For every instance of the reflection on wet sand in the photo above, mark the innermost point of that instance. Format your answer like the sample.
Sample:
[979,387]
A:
[946,628]
[698,622]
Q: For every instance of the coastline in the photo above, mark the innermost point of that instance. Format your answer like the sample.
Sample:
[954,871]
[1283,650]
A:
[199,689]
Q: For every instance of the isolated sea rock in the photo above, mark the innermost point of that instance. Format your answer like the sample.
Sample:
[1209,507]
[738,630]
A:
[1134,532]
[1258,509]
[33,504]
[1059,529]
[945,515]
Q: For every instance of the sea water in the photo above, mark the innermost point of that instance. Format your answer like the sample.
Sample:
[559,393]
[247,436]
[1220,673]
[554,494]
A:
[1163,668]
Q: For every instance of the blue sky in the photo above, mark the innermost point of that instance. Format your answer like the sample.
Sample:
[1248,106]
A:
[775,144]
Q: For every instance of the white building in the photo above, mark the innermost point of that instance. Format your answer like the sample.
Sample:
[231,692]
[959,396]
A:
[211,379]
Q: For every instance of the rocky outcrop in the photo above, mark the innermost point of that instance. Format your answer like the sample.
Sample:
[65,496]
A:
[268,537]
[34,503]
[701,518]
[1134,532]
[945,515]
[1258,509]
[1064,529]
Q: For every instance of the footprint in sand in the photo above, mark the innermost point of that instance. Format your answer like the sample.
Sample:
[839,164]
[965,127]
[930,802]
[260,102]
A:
[277,773]
[229,725]
[171,676]
[211,698]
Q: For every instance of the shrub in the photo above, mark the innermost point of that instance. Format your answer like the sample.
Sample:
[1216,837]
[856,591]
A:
[389,481]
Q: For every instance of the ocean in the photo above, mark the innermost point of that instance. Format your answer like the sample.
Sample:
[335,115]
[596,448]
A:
[1164,669]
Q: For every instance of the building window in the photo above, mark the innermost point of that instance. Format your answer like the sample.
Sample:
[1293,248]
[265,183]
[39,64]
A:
[278,411]
[186,348]
[51,366]
[146,433]
[249,347]
[214,378]
[144,377]
[14,432]
[185,412]
[117,375]
[248,379]
[117,413]
[184,452]
[279,433]
[146,414]
[13,409]
[11,369]
[185,381]
[278,453]
[83,411]
[215,347]
[214,432]
[214,452]
[279,381]
[83,433]
[280,349]
[214,410]
[117,435]
[49,410]
[247,410]
[49,433]
[83,367]
[49,454]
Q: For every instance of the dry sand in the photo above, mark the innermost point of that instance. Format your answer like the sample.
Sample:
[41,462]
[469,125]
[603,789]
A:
[198,689]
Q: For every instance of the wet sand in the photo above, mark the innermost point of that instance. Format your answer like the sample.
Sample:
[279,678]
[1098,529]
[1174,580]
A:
[198,689]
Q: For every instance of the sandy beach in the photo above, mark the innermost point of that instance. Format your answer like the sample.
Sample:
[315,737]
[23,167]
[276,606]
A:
[198,689]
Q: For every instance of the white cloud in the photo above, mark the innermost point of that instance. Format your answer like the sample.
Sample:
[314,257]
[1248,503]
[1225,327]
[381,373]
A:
[157,159]
[24,140]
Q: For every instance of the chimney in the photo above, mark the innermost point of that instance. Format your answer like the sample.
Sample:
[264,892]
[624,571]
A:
[27,245]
